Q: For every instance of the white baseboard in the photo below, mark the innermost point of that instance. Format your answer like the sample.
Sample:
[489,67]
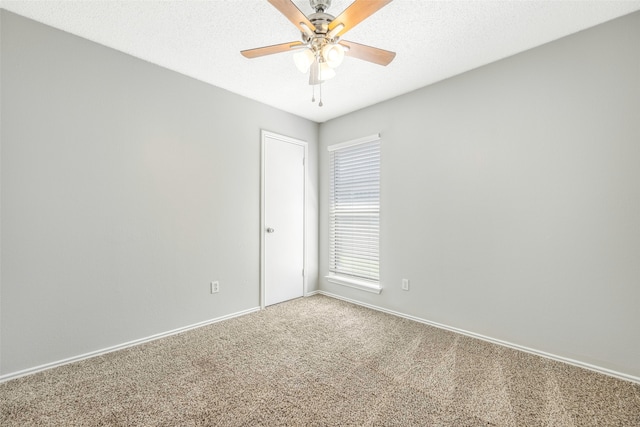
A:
[89,355]
[312,293]
[555,357]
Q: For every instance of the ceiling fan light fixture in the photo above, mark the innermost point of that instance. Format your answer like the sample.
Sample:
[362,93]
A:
[322,49]
[326,72]
[303,60]
[333,55]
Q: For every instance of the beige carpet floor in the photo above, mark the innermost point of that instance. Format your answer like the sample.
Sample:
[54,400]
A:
[317,362]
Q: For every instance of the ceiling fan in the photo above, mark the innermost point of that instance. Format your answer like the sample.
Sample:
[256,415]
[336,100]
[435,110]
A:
[322,49]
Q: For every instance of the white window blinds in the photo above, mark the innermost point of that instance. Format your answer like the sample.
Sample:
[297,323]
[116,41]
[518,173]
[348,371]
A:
[354,209]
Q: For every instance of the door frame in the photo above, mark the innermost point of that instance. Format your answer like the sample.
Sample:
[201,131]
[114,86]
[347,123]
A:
[264,134]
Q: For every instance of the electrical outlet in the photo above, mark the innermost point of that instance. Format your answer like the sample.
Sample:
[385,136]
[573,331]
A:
[405,284]
[215,287]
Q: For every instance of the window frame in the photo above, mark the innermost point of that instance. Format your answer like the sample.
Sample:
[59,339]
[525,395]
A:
[360,283]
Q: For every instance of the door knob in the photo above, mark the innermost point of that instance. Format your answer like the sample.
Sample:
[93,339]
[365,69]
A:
[270,230]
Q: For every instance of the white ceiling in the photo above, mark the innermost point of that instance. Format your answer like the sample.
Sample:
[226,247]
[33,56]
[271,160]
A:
[433,40]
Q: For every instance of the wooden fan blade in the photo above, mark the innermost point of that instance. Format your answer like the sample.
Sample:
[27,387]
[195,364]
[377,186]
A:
[368,53]
[293,14]
[357,12]
[269,50]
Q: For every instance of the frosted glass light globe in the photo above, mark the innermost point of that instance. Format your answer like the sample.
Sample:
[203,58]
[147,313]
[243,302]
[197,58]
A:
[303,60]
[333,55]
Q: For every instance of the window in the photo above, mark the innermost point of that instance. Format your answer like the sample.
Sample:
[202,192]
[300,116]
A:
[354,213]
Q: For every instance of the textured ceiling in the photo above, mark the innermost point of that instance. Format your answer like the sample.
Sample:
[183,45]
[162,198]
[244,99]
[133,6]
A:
[434,40]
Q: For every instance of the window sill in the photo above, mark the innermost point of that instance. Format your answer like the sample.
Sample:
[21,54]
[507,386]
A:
[363,285]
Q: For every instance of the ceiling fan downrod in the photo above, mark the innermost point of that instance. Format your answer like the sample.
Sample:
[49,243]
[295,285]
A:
[320,5]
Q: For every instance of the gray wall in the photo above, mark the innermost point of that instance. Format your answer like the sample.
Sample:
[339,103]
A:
[511,198]
[126,189]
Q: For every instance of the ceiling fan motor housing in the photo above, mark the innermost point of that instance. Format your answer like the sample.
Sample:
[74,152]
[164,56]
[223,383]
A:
[321,21]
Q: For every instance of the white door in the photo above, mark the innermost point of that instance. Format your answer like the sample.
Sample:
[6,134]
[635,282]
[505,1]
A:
[283,218]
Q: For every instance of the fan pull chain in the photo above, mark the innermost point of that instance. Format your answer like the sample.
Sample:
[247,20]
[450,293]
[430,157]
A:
[320,104]
[313,93]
